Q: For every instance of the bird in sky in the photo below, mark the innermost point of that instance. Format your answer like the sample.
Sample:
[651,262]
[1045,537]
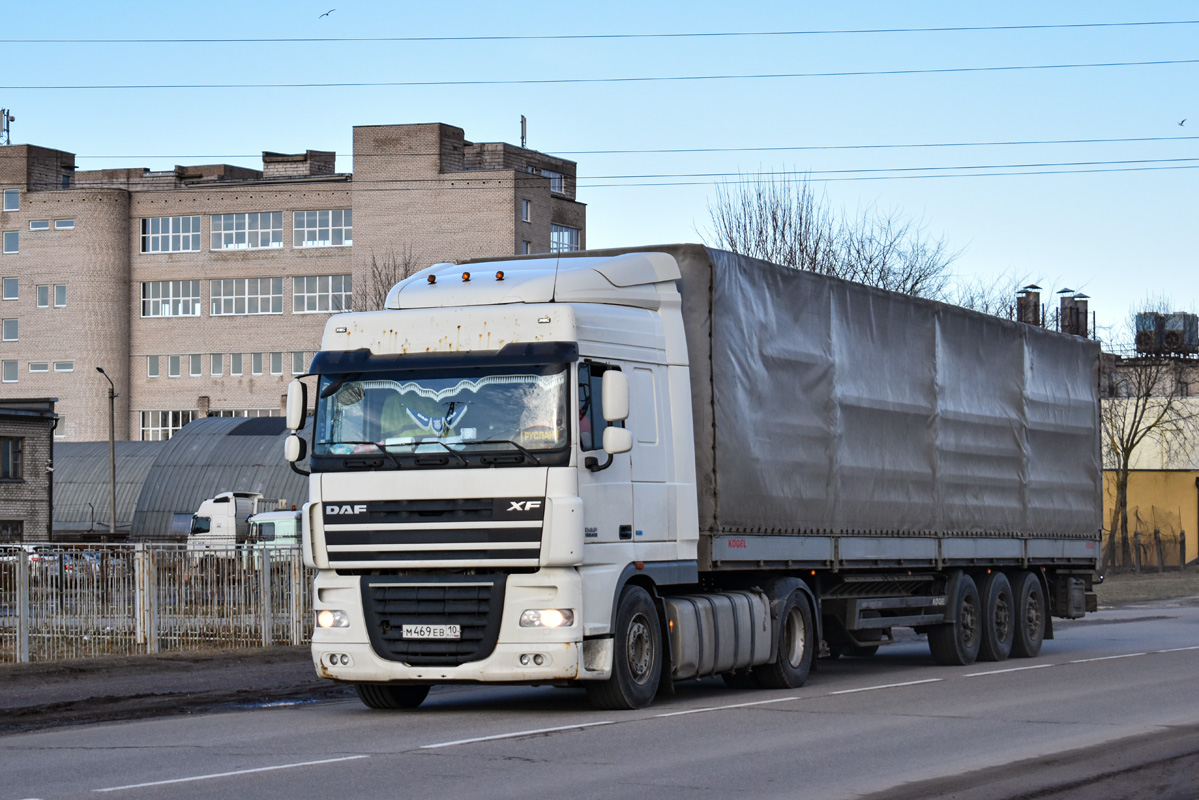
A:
[1184,122]
[327,13]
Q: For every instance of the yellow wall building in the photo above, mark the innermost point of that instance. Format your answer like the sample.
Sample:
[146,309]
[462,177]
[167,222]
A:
[1167,500]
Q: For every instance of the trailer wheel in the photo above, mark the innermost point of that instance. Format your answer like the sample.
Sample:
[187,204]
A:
[998,618]
[637,660]
[955,644]
[1029,627]
[387,696]
[796,647]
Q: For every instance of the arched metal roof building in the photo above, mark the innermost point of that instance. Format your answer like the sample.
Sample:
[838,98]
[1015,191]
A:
[161,483]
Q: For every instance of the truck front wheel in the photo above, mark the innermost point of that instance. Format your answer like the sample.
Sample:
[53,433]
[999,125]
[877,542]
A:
[387,696]
[797,643]
[637,656]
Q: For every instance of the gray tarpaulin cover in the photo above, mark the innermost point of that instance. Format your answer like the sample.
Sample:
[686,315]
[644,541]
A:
[828,406]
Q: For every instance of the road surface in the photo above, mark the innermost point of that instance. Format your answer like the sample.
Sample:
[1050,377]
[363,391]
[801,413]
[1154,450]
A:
[1111,693]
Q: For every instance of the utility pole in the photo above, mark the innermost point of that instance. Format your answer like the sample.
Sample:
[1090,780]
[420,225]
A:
[112,456]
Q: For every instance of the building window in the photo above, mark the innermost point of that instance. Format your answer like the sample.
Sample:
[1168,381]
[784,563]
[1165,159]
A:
[60,428]
[43,297]
[256,364]
[298,364]
[171,299]
[251,231]
[195,365]
[12,530]
[557,180]
[151,366]
[64,366]
[333,228]
[173,366]
[526,248]
[60,295]
[217,364]
[12,199]
[170,234]
[245,412]
[11,468]
[39,366]
[9,327]
[8,371]
[64,224]
[317,293]
[276,363]
[233,296]
[10,289]
[235,364]
[526,210]
[158,426]
[563,239]
[12,242]
[39,224]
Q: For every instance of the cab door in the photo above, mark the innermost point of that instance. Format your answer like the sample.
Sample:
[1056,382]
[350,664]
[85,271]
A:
[605,482]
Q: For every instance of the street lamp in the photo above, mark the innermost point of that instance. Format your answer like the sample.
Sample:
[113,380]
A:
[112,455]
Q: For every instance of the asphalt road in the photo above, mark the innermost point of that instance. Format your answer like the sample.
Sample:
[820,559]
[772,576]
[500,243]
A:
[1108,704]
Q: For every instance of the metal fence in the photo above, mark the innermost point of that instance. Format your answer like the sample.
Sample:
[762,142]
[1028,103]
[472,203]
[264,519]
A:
[64,601]
[1155,543]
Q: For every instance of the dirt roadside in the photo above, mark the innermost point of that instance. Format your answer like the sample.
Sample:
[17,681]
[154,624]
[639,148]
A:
[42,695]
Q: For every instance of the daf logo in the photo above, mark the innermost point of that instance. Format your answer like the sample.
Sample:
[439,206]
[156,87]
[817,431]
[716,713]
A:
[358,509]
[523,505]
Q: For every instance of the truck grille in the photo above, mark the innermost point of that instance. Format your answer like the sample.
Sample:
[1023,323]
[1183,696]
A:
[414,534]
[473,602]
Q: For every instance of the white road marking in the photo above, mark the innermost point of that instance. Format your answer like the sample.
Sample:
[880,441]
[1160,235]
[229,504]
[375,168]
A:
[887,686]
[1009,669]
[228,774]
[723,708]
[1177,649]
[1107,658]
[514,735]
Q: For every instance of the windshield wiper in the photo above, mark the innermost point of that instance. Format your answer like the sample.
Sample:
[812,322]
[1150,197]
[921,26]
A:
[521,448]
[452,451]
[375,445]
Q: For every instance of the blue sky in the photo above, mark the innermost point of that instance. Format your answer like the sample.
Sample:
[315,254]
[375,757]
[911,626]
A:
[1118,236]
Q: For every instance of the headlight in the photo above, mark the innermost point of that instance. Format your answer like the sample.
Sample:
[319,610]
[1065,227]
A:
[332,619]
[547,618]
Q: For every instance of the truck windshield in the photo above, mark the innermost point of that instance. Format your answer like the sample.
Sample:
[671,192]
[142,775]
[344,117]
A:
[445,417]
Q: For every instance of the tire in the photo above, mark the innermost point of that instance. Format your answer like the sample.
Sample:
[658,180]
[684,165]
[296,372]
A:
[637,656]
[391,696]
[955,644]
[796,647]
[1029,618]
[998,617]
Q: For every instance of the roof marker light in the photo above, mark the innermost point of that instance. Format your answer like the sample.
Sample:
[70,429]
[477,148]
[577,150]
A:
[432,279]
[465,277]
[499,276]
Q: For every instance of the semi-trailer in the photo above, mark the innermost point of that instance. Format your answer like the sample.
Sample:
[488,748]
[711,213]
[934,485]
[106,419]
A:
[618,469]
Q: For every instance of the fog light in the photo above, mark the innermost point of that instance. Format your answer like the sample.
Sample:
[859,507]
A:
[539,659]
[547,618]
[524,659]
[332,619]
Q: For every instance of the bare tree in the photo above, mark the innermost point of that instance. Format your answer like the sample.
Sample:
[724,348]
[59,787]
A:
[1143,402]
[385,272]
[990,295]
[779,218]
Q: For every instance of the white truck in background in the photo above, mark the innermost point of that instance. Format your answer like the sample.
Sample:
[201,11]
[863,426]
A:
[618,469]
[231,519]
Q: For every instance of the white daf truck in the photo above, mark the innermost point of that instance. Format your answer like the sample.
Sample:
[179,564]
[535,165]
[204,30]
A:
[620,469]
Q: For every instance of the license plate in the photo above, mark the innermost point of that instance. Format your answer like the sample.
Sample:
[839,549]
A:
[431,632]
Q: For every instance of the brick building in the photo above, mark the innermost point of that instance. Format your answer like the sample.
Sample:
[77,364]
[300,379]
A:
[202,289]
[26,459]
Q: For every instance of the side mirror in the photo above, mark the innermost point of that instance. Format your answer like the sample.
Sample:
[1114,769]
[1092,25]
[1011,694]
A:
[297,406]
[617,440]
[615,396]
[294,449]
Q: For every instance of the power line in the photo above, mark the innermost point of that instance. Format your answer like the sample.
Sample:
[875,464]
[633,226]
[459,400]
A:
[631,79]
[604,36]
[670,150]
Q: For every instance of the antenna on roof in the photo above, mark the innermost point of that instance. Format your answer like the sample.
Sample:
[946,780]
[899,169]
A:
[5,128]
[524,133]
